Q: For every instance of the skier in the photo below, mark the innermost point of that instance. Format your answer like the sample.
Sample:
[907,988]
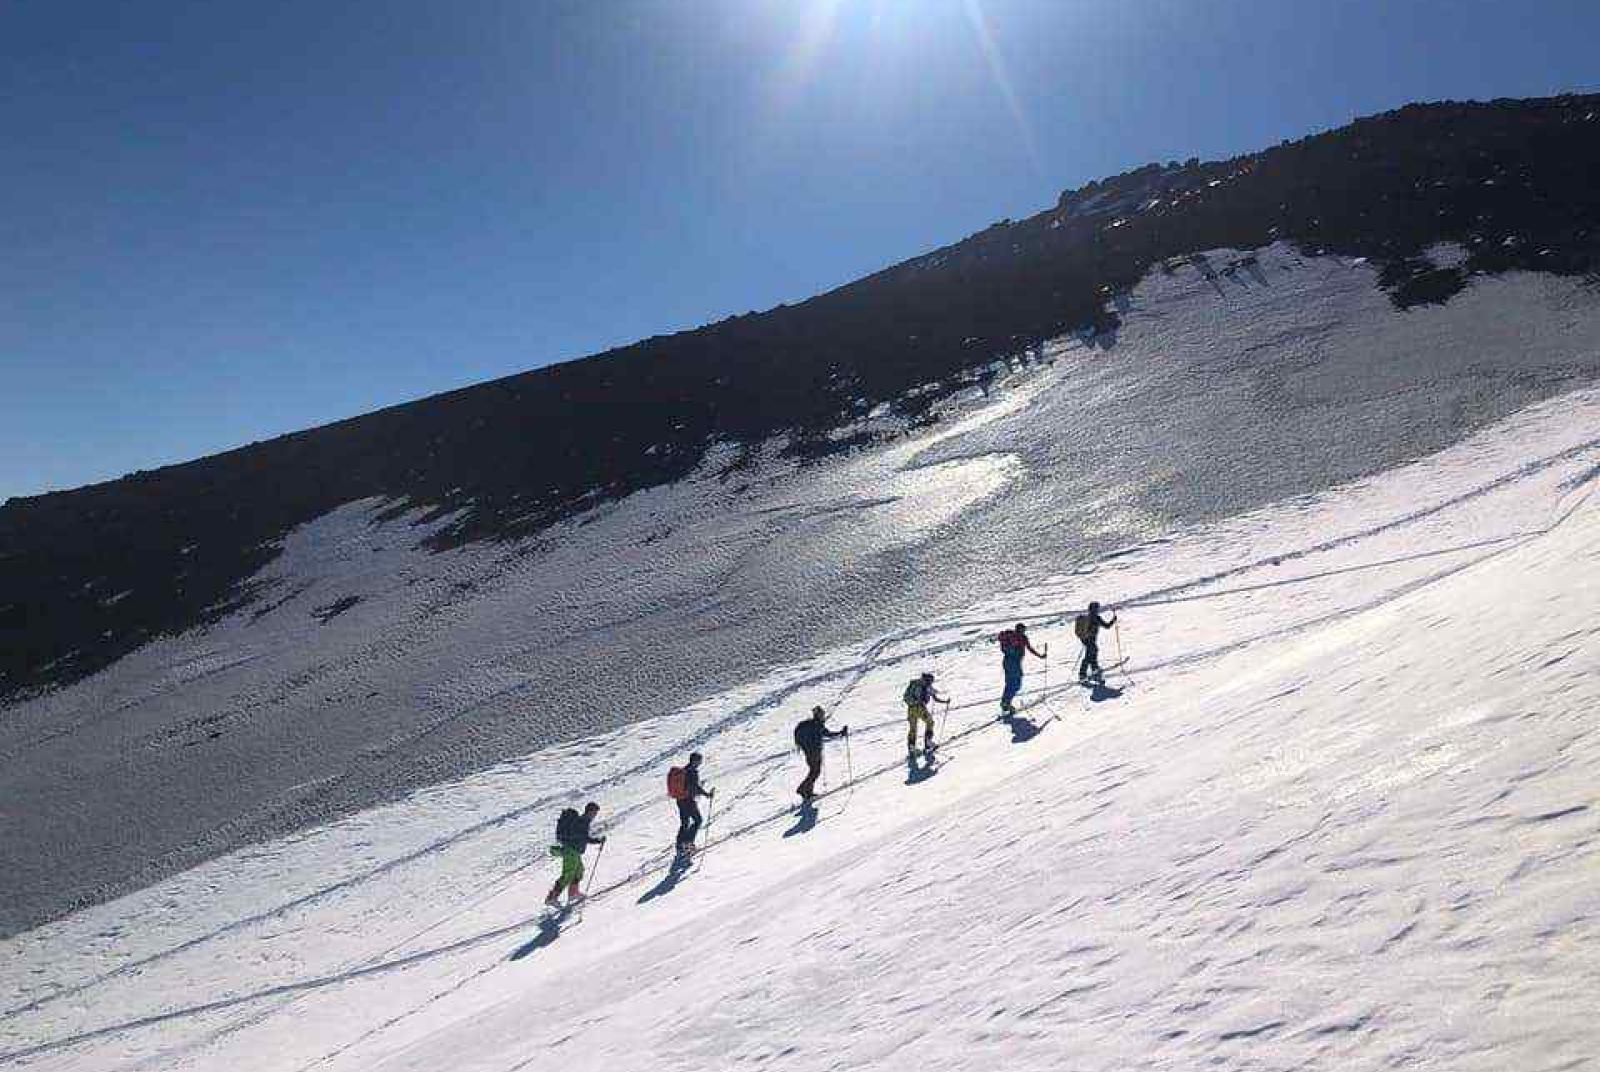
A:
[1087,627]
[1014,644]
[808,737]
[919,693]
[572,837]
[683,786]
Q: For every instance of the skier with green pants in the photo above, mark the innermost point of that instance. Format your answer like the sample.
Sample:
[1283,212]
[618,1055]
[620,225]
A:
[572,837]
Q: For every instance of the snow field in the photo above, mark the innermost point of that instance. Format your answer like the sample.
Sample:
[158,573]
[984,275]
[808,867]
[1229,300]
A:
[1344,814]
[368,667]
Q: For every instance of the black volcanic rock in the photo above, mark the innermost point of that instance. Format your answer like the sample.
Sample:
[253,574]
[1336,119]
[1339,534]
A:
[88,575]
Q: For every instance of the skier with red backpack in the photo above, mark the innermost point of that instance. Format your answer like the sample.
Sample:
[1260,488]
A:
[1014,644]
[683,786]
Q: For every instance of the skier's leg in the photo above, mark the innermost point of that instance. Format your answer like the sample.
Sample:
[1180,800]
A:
[813,772]
[692,823]
[1013,672]
[571,872]
[554,896]
[684,834]
[911,727]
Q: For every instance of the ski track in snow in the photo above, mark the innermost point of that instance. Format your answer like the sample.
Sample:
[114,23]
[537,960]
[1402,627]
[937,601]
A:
[1335,809]
[1560,480]
[1214,398]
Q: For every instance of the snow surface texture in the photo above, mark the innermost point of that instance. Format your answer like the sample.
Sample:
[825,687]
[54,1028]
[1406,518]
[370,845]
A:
[372,668]
[1336,811]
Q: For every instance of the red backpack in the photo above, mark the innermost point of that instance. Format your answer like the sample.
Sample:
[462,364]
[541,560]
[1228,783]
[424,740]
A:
[677,783]
[1011,642]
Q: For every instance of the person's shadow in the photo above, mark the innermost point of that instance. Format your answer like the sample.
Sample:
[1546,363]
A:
[1100,692]
[675,872]
[807,820]
[1024,730]
[920,766]
[549,931]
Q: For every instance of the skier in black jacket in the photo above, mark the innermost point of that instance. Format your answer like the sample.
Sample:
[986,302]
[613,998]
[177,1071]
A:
[808,737]
[1087,627]
[572,837]
[689,818]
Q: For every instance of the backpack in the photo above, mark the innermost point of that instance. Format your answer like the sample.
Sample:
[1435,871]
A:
[916,692]
[567,827]
[1083,625]
[677,783]
[1011,643]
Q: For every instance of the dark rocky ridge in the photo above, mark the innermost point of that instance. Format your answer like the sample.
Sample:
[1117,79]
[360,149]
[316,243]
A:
[88,575]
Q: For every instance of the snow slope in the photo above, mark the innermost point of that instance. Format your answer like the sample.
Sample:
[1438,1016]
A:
[1336,811]
[370,667]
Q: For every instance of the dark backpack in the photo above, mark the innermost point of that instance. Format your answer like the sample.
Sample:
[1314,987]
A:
[916,692]
[1083,625]
[569,828]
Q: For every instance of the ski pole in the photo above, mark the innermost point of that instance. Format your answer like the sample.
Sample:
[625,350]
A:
[601,851]
[944,720]
[1117,632]
[1045,696]
[849,764]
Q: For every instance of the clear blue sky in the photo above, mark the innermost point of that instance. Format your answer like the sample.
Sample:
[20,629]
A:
[223,221]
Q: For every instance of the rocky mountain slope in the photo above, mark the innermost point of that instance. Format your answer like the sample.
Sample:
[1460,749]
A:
[87,576]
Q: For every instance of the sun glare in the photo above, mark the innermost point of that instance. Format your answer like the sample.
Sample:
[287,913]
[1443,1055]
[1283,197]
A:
[819,24]
[1002,78]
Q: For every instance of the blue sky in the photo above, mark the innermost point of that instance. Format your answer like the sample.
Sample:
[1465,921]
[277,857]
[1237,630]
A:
[224,221]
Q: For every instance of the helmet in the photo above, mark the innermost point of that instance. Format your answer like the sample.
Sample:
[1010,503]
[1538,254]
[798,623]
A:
[1093,606]
[927,675]
[591,806]
[694,757]
[1021,628]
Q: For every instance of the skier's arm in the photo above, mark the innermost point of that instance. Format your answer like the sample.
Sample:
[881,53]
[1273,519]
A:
[936,697]
[1036,655]
[1105,624]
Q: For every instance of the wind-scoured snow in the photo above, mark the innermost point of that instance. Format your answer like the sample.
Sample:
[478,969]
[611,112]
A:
[1337,810]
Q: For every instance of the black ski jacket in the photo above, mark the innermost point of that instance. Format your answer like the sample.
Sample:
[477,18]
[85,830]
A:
[572,831]
[691,782]
[809,735]
[1096,623]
